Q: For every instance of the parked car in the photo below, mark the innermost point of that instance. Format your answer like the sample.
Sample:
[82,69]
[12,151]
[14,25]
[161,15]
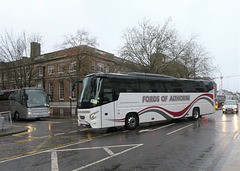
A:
[230,106]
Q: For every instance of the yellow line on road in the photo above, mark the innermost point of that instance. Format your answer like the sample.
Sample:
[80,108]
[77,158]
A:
[41,150]
[40,145]
[89,135]
[30,129]
[37,149]
[26,140]
[29,139]
[16,148]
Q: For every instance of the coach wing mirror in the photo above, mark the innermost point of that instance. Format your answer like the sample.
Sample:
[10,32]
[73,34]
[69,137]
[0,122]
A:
[74,84]
[93,82]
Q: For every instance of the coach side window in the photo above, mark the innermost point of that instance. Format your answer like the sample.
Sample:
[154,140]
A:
[108,93]
[177,86]
[144,86]
[131,86]
[124,85]
[198,86]
[188,86]
[168,86]
[208,85]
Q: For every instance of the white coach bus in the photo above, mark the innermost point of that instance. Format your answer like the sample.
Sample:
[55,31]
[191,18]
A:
[25,103]
[109,100]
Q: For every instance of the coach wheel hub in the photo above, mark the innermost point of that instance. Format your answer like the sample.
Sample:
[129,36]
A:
[196,114]
[132,121]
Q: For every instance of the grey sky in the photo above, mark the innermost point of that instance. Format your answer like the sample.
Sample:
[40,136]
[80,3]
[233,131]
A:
[216,22]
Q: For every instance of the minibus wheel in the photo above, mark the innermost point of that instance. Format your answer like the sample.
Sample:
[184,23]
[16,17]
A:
[16,116]
[131,121]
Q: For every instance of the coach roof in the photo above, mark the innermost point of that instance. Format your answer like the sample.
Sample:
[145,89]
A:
[132,75]
[141,76]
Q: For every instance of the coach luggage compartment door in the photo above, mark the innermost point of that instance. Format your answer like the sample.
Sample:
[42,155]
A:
[108,114]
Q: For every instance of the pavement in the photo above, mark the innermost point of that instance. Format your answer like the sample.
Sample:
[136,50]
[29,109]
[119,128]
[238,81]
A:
[230,161]
[12,130]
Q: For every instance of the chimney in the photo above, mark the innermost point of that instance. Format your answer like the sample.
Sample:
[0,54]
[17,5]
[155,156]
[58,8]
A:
[35,50]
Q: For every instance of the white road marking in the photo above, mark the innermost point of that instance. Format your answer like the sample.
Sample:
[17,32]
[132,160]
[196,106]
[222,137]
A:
[108,151]
[53,122]
[179,129]
[106,158]
[237,137]
[28,155]
[149,130]
[72,131]
[145,130]
[94,148]
[59,134]
[54,161]
[46,136]
[164,126]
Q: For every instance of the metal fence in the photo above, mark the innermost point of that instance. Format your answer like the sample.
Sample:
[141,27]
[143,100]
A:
[5,120]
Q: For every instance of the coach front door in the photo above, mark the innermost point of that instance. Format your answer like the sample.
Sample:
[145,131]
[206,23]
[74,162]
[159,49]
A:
[108,114]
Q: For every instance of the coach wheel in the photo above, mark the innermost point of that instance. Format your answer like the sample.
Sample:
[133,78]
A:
[196,114]
[131,121]
[16,116]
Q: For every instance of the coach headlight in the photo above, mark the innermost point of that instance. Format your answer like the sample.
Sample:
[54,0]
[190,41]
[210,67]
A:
[92,116]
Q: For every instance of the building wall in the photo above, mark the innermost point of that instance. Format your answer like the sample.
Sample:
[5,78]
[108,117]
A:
[60,107]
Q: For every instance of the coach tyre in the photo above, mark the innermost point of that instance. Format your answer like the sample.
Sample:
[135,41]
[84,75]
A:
[196,114]
[131,121]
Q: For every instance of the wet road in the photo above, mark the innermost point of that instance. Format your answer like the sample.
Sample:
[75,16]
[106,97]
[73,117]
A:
[57,144]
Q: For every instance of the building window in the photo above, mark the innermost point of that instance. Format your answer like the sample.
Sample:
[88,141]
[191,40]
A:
[19,74]
[51,91]
[40,85]
[61,68]
[4,75]
[40,71]
[50,69]
[13,74]
[72,66]
[93,66]
[27,72]
[100,67]
[61,90]
[106,68]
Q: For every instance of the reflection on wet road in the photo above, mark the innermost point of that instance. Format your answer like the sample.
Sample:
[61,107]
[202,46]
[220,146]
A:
[180,145]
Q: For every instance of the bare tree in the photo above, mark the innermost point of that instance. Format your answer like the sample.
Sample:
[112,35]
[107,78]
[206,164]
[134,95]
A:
[159,49]
[191,59]
[146,46]
[14,54]
[79,46]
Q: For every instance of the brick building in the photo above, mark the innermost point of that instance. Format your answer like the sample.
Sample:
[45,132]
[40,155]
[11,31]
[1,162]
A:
[55,72]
